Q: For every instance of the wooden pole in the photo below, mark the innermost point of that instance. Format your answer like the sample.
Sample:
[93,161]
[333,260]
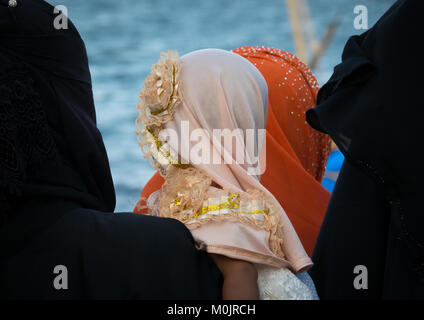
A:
[299,42]
[318,53]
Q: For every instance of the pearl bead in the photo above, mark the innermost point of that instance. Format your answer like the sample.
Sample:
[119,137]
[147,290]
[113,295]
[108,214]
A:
[13,3]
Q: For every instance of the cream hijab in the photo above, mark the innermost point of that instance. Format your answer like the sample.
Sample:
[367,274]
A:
[222,90]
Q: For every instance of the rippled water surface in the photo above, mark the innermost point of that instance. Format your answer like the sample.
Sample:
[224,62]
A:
[124,38]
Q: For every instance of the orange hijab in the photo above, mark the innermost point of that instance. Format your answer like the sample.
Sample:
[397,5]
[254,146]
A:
[296,154]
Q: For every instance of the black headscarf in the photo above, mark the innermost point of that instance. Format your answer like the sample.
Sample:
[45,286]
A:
[50,146]
[372,107]
[56,186]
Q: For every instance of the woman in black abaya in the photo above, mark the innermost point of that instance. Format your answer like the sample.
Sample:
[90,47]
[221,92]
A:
[373,109]
[56,191]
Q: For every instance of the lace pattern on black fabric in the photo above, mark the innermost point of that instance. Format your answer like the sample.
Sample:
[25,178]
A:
[25,140]
[416,248]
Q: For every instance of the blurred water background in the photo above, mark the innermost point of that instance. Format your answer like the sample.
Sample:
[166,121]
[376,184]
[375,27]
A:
[124,38]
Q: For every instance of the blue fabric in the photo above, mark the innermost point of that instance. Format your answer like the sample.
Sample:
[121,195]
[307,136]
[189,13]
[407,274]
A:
[334,164]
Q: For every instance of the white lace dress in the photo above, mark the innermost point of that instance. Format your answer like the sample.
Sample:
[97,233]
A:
[282,284]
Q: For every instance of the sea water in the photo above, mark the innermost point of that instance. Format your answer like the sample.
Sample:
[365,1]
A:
[124,38]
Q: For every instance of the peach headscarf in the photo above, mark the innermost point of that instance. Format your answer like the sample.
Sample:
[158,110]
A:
[295,153]
[221,90]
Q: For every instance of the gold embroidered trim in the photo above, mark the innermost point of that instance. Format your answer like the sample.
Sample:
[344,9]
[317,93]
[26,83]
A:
[232,203]
[186,195]
[157,103]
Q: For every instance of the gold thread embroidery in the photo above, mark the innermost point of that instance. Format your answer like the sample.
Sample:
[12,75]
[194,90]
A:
[230,204]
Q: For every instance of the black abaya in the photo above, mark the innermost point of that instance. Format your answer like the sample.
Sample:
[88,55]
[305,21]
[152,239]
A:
[56,192]
[107,256]
[372,108]
[353,233]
